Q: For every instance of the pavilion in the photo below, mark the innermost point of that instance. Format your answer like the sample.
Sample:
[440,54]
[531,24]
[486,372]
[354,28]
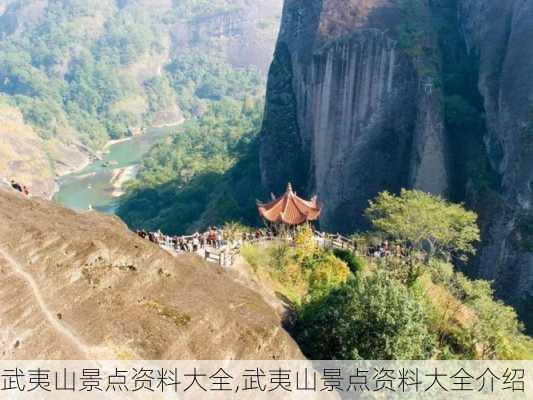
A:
[290,209]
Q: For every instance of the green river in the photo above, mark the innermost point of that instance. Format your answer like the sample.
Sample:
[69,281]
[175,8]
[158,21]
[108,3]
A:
[93,186]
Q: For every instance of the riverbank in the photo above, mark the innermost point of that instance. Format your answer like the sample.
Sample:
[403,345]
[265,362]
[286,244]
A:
[101,183]
[113,142]
[120,177]
[88,159]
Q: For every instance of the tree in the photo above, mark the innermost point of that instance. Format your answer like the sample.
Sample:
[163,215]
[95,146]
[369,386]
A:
[324,272]
[373,318]
[305,245]
[419,218]
[495,333]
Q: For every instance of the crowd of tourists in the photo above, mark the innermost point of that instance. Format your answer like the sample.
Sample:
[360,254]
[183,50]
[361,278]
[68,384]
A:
[215,238]
[19,187]
[385,250]
[220,239]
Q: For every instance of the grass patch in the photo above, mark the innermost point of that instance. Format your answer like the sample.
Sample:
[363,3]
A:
[271,262]
[179,319]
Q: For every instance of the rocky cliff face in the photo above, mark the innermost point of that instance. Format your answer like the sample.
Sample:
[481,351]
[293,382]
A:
[77,286]
[245,34]
[499,34]
[372,95]
[354,109]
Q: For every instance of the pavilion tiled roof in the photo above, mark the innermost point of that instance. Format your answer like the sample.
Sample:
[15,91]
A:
[290,209]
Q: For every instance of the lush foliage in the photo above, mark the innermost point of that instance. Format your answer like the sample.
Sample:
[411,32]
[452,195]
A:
[207,144]
[206,174]
[301,273]
[99,68]
[402,306]
[442,314]
[64,75]
[373,318]
[354,262]
[415,218]
[199,77]
[466,319]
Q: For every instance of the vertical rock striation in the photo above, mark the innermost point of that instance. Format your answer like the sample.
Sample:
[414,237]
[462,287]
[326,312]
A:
[372,95]
[348,111]
[499,33]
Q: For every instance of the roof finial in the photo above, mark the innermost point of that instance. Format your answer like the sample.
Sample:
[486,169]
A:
[289,187]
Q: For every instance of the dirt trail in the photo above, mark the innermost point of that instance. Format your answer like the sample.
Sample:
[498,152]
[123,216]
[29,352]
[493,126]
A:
[48,314]
[77,286]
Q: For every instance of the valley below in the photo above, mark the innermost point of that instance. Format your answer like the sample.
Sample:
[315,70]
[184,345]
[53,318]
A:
[99,185]
[401,129]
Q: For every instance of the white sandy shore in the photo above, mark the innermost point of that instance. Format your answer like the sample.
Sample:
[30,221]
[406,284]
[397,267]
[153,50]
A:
[116,141]
[120,177]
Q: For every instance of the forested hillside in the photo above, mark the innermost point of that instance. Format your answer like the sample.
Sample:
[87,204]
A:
[82,72]
[205,174]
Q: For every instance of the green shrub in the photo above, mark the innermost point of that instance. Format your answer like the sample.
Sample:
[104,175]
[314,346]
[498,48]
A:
[368,318]
[323,272]
[355,263]
[423,220]
[496,332]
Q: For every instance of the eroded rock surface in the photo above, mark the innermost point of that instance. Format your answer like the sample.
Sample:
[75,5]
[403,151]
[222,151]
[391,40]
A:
[351,108]
[499,33]
[77,286]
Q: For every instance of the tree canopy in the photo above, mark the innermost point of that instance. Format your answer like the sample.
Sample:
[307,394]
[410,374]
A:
[373,318]
[417,218]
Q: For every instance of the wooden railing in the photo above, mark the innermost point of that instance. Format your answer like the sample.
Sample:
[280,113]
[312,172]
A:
[227,254]
[340,242]
[224,257]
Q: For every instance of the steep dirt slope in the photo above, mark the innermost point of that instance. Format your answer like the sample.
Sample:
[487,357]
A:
[81,285]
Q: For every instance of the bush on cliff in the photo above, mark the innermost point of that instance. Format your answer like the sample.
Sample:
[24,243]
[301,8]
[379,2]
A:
[368,318]
[408,306]
[301,273]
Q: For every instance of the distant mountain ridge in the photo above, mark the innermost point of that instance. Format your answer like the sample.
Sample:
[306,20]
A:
[84,72]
